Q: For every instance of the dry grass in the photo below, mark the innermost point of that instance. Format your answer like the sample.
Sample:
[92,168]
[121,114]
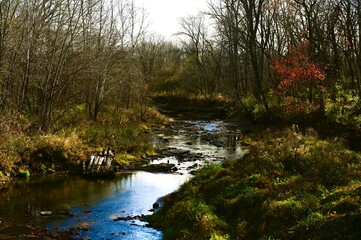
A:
[69,142]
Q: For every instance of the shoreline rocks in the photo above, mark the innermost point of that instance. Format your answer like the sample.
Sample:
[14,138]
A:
[161,167]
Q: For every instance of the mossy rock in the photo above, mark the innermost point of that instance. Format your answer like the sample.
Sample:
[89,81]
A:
[23,173]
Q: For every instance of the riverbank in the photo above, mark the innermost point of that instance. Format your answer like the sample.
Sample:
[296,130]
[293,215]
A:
[24,150]
[290,185]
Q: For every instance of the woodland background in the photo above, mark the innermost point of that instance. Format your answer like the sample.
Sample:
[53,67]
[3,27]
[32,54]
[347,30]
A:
[275,56]
[88,71]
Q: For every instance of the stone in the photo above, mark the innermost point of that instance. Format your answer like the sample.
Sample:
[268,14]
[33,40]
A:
[46,213]
[162,167]
[156,205]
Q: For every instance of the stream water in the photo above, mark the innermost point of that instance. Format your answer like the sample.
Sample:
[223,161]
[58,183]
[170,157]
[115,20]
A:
[113,209]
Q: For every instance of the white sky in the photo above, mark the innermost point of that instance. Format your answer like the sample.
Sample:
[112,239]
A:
[164,15]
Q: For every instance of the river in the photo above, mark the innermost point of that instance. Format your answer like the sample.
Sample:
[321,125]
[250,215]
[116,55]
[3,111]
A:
[114,209]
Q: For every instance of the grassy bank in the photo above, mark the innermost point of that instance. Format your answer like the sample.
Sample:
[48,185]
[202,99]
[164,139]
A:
[25,150]
[290,185]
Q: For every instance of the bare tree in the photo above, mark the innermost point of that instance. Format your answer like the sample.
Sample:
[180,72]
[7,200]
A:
[132,29]
[203,59]
[227,17]
[8,49]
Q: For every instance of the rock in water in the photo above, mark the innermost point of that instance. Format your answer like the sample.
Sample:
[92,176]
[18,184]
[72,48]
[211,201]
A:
[46,213]
[155,205]
[161,167]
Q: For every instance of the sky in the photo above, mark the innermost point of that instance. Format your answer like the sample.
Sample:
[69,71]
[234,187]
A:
[164,15]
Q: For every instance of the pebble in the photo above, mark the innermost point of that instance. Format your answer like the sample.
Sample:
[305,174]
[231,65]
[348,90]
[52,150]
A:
[46,213]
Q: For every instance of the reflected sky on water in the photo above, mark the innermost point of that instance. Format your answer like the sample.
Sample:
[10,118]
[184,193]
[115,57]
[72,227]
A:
[95,203]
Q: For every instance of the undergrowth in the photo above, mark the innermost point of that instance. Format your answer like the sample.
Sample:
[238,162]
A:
[289,185]
[24,149]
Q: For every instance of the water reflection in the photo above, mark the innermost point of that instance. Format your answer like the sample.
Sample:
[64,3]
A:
[215,140]
[57,193]
[93,202]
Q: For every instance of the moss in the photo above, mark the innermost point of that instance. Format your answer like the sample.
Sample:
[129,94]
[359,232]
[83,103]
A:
[23,173]
[219,236]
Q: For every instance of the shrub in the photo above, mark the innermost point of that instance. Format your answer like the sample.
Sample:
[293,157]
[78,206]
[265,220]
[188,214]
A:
[283,212]
[121,137]
[10,135]
[190,216]
[344,106]
[42,152]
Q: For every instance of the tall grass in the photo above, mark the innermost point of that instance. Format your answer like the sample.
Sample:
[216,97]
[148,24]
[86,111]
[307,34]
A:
[74,139]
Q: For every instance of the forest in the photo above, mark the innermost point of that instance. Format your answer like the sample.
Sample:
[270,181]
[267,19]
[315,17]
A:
[78,75]
[267,57]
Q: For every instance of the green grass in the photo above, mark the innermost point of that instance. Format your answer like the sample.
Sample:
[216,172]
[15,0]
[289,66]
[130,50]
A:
[289,185]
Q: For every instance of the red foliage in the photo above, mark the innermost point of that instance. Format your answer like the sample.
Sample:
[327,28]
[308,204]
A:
[293,105]
[297,69]
[301,80]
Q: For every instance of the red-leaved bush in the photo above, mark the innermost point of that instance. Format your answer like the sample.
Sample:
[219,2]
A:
[301,79]
[297,70]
